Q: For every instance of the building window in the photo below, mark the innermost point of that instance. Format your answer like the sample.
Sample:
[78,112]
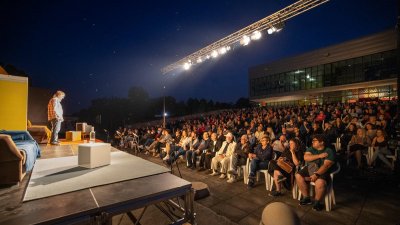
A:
[354,70]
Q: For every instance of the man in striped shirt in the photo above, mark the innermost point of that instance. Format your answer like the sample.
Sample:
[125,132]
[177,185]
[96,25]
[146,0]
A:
[55,115]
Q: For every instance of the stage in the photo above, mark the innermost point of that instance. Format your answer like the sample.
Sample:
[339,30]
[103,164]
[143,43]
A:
[97,204]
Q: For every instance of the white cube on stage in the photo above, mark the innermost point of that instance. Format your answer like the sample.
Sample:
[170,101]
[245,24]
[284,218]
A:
[93,155]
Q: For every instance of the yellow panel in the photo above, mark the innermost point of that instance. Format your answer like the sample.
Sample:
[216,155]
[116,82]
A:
[13,102]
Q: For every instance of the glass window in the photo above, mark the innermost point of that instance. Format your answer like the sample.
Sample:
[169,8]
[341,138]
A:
[308,78]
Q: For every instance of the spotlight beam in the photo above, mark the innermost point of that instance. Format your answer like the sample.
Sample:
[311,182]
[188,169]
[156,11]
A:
[268,22]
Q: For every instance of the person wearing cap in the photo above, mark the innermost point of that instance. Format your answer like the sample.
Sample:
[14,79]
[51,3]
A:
[320,163]
[223,156]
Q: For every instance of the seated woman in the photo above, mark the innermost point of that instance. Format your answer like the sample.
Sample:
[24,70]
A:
[348,134]
[359,143]
[381,149]
[259,159]
[294,155]
[179,148]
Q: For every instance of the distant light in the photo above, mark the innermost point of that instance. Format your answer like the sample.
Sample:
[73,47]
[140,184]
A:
[256,35]
[308,76]
[222,50]
[298,71]
[208,56]
[165,114]
[228,48]
[245,40]
[199,60]
[187,66]
[214,54]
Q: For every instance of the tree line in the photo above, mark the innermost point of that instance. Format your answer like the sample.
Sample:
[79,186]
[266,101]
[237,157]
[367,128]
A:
[112,112]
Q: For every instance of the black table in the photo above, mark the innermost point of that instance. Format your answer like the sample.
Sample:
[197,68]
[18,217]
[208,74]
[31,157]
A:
[97,204]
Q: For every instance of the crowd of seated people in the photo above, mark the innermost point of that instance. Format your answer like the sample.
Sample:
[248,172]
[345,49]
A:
[300,137]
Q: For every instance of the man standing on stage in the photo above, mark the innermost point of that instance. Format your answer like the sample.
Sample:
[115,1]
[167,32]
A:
[55,115]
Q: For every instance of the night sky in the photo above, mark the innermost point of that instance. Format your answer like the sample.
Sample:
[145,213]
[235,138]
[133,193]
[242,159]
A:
[94,49]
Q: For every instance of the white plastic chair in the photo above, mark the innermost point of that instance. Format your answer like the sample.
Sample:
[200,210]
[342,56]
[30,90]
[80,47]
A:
[337,145]
[393,157]
[268,178]
[241,171]
[329,192]
[367,155]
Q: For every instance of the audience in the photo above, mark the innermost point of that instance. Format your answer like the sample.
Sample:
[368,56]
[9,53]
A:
[311,129]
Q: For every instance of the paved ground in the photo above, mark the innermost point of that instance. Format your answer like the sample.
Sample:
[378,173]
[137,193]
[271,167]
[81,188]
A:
[362,198]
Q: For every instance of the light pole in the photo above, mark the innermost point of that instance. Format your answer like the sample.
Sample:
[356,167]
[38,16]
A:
[164,110]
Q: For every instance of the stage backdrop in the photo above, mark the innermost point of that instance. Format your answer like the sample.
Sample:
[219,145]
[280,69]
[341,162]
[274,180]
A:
[13,102]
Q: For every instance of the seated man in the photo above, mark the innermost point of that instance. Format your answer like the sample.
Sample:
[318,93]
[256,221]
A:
[166,138]
[193,153]
[320,160]
[193,145]
[280,145]
[259,159]
[223,156]
[208,155]
[118,141]
[239,157]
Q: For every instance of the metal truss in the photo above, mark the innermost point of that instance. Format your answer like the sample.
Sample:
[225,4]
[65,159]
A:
[274,20]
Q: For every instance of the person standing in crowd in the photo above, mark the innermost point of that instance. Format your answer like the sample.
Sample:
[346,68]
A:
[55,116]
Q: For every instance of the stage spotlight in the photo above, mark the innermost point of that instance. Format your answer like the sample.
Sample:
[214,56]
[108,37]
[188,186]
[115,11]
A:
[245,40]
[187,66]
[222,50]
[214,54]
[256,35]
[276,28]
[199,60]
[271,24]
[271,30]
[279,26]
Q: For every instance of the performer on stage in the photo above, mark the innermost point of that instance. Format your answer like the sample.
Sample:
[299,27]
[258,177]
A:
[55,115]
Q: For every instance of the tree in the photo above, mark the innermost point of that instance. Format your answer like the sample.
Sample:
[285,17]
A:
[242,103]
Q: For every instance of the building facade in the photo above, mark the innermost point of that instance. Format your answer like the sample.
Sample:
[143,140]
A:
[361,69]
